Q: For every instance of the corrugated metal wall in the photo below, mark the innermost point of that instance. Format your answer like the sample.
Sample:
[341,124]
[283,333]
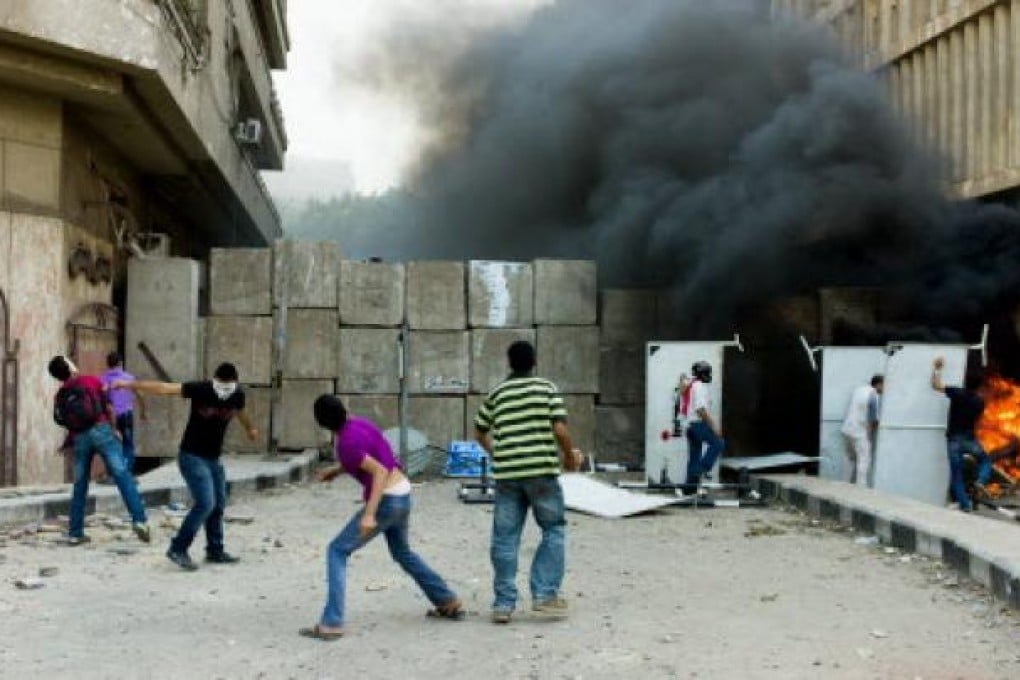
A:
[951,69]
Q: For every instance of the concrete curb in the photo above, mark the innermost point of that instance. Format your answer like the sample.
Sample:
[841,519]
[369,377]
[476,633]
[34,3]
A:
[979,548]
[160,487]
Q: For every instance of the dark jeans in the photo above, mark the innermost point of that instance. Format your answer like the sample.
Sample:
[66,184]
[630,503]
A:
[207,483]
[126,427]
[544,496]
[391,520]
[958,446]
[100,439]
[701,458]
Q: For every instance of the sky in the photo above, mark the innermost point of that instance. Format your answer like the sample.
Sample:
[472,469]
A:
[343,134]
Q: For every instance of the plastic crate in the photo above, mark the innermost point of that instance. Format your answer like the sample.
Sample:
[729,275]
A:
[465,460]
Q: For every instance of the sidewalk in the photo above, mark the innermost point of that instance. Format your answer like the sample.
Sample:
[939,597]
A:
[983,549]
[158,487]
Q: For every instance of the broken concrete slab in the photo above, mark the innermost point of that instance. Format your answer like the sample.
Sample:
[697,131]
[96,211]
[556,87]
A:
[257,405]
[500,294]
[569,356]
[371,293]
[310,347]
[439,362]
[566,292]
[306,274]
[162,312]
[241,281]
[489,364]
[245,341]
[628,317]
[620,434]
[436,296]
[622,375]
[369,361]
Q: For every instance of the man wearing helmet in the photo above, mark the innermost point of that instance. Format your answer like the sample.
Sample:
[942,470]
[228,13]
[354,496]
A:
[704,438]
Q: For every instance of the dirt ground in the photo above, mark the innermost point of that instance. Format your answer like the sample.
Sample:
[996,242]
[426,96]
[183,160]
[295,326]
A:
[709,593]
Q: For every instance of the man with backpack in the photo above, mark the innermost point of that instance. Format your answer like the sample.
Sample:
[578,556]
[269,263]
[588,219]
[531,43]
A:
[81,406]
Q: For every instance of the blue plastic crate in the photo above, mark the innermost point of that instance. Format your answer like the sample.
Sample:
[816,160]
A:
[465,460]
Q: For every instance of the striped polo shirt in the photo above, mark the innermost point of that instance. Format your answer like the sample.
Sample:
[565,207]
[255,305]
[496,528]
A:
[520,413]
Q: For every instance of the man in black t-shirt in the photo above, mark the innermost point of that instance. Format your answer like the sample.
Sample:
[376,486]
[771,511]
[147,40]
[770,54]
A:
[965,408]
[213,403]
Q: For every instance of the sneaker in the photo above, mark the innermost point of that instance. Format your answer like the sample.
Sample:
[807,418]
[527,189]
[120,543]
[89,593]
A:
[181,559]
[78,540]
[221,558]
[554,607]
[142,531]
[502,615]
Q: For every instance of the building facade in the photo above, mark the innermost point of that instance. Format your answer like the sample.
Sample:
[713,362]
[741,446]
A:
[128,128]
[951,69]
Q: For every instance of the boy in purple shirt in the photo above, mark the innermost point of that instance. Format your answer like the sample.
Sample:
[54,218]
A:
[123,401]
[362,452]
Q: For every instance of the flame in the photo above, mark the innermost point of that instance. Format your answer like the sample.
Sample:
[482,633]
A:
[999,426]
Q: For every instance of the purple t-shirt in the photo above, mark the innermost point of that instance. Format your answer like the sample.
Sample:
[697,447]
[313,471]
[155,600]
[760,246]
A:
[357,439]
[123,400]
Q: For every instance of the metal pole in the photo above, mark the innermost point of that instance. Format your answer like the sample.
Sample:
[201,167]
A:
[280,270]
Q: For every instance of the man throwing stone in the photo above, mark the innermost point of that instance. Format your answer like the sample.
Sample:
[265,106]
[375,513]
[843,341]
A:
[521,423]
[213,403]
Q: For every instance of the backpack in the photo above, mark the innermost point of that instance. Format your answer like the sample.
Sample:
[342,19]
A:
[76,408]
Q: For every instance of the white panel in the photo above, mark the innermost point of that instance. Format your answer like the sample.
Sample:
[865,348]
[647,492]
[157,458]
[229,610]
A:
[910,456]
[844,369]
[666,455]
[588,495]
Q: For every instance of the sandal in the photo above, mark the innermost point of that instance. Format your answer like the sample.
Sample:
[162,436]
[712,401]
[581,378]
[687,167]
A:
[452,610]
[318,633]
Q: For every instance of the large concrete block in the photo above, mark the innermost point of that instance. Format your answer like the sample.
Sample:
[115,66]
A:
[500,294]
[371,293]
[383,410]
[566,292]
[472,403]
[488,355]
[369,361]
[159,435]
[622,375]
[310,348]
[436,296]
[162,312]
[257,406]
[245,341]
[581,420]
[569,356]
[306,273]
[241,281]
[620,434]
[439,362]
[628,317]
[298,428]
[441,419]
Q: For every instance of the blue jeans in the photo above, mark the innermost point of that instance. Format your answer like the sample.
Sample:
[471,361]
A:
[391,520]
[958,446]
[100,439]
[207,483]
[126,427]
[513,498]
[699,458]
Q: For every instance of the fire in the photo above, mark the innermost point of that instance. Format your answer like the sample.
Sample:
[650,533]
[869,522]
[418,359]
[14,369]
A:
[998,430]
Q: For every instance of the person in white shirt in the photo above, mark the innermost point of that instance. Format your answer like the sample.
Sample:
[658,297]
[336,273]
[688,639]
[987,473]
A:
[704,436]
[859,428]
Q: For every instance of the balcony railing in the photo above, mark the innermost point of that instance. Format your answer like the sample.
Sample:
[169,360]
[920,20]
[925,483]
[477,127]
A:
[186,19]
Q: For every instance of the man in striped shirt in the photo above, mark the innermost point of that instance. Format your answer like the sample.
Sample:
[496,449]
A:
[523,426]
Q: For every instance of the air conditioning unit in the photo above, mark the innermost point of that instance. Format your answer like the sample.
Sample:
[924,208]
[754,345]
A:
[249,131]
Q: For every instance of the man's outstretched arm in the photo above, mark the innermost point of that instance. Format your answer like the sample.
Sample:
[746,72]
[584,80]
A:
[149,387]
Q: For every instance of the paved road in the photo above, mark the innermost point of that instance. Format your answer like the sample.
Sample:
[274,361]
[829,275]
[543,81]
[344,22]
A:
[727,593]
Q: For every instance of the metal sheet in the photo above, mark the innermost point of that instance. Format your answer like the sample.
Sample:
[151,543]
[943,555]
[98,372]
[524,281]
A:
[843,370]
[666,455]
[775,460]
[590,496]
[910,455]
